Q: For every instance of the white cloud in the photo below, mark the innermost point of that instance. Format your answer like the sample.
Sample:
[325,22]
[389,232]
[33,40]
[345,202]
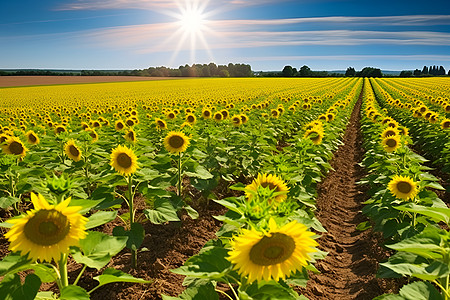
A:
[349,57]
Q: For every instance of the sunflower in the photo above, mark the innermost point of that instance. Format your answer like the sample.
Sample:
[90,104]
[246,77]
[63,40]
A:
[391,143]
[93,135]
[330,117]
[47,230]
[236,120]
[72,150]
[176,142]
[160,123]
[119,125]
[191,118]
[218,116]
[84,125]
[60,129]
[131,136]
[274,254]
[445,124]
[206,113]
[274,183]
[225,113]
[244,118]
[32,137]
[389,131]
[403,187]
[171,115]
[13,145]
[315,134]
[124,160]
[275,113]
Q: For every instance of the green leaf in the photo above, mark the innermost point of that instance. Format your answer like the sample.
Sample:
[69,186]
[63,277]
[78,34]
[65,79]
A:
[46,296]
[420,290]
[425,244]
[363,226]
[211,263]
[100,218]
[191,212]
[73,292]
[201,292]
[300,278]
[11,287]
[13,262]
[6,202]
[111,275]
[199,172]
[97,249]
[164,211]
[436,213]
[135,235]
[85,204]
[269,290]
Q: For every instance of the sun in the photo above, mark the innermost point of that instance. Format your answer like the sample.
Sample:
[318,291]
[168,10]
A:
[192,21]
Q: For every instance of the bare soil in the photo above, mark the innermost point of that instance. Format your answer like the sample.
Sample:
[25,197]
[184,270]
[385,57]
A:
[9,81]
[348,271]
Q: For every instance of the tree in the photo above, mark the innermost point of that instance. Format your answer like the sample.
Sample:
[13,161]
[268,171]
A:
[417,72]
[441,71]
[406,74]
[287,71]
[305,71]
[425,70]
[350,72]
[224,73]
[369,72]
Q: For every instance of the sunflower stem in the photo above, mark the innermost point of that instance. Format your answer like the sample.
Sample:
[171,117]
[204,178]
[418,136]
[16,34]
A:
[64,280]
[232,289]
[79,275]
[130,203]
[179,174]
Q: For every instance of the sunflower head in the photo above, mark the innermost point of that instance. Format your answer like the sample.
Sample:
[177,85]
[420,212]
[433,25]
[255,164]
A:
[119,125]
[265,186]
[236,120]
[123,160]
[176,142]
[131,136]
[60,129]
[13,145]
[244,118]
[218,116]
[403,187]
[273,254]
[389,131]
[314,134]
[72,150]
[445,124]
[32,137]
[47,231]
[160,124]
[206,113]
[391,143]
[191,119]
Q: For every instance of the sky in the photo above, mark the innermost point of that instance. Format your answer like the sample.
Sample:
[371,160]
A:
[267,34]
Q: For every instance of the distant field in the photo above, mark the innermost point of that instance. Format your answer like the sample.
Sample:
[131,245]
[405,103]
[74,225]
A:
[7,81]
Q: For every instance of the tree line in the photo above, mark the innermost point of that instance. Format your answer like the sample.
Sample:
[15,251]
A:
[305,71]
[195,70]
[431,71]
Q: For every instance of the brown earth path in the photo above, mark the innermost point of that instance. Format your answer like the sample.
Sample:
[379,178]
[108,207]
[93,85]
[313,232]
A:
[348,271]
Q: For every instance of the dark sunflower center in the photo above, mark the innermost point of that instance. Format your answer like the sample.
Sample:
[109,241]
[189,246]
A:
[130,122]
[389,133]
[60,129]
[171,115]
[236,120]
[124,160]
[190,119]
[47,227]
[218,117]
[131,135]
[314,136]
[270,185]
[161,124]
[74,150]
[120,125]
[2,139]
[16,148]
[93,135]
[391,143]
[244,119]
[206,113]
[404,187]
[176,141]
[446,124]
[32,138]
[271,250]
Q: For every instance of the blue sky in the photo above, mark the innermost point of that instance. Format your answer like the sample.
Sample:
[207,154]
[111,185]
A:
[267,34]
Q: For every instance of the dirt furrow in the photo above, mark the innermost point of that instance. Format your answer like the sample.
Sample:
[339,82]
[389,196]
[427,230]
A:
[348,271]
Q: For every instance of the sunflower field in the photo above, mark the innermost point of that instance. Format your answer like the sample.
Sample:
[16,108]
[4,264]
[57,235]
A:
[87,168]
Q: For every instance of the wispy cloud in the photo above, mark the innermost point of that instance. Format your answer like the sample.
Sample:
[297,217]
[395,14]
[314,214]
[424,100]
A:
[157,4]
